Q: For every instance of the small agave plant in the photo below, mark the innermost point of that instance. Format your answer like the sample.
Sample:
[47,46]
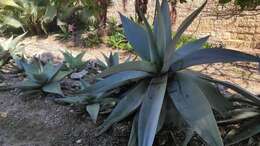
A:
[41,77]
[74,63]
[111,60]
[161,88]
[10,49]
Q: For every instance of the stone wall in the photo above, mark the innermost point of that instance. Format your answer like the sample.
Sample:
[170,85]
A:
[225,25]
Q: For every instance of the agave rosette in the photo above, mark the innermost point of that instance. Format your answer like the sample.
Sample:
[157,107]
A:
[74,62]
[41,77]
[163,89]
[111,60]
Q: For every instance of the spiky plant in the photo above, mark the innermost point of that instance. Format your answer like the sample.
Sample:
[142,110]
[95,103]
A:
[111,60]
[74,62]
[10,49]
[41,77]
[163,90]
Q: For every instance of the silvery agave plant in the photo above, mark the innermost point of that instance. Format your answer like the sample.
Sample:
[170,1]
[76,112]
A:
[41,77]
[164,90]
[10,49]
[110,60]
[73,62]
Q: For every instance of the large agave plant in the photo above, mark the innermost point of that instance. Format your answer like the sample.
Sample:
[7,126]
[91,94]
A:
[41,77]
[163,90]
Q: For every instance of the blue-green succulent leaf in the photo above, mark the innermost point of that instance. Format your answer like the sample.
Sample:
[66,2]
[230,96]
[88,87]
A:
[194,108]
[150,111]
[116,80]
[126,106]
[212,55]
[171,48]
[137,37]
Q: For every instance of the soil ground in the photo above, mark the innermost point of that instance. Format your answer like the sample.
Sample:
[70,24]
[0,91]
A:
[40,122]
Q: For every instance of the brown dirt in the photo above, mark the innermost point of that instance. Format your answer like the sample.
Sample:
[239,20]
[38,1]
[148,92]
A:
[41,122]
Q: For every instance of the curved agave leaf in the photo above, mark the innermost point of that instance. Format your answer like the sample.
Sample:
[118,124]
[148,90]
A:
[246,130]
[215,98]
[162,27]
[134,131]
[150,111]
[154,54]
[128,66]
[194,108]
[60,75]
[51,70]
[241,114]
[8,20]
[27,85]
[53,87]
[75,100]
[236,88]
[93,110]
[116,80]
[137,37]
[126,106]
[212,55]
[189,48]
[170,50]
[11,3]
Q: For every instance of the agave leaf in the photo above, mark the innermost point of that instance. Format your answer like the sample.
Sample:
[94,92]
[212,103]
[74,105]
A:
[116,80]
[236,88]
[51,70]
[215,98]
[60,75]
[53,87]
[50,14]
[128,66]
[14,42]
[169,53]
[194,108]
[11,3]
[81,55]
[8,20]
[212,55]
[75,100]
[241,114]
[190,48]
[134,131]
[27,85]
[246,130]
[106,59]
[150,111]
[162,26]
[40,78]
[30,92]
[137,37]
[154,54]
[163,115]
[115,59]
[93,111]
[126,106]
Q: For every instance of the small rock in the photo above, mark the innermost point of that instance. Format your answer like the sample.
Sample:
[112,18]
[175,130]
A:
[79,75]
[3,114]
[79,141]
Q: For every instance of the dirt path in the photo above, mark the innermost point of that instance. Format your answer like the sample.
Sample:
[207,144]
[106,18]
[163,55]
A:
[40,122]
